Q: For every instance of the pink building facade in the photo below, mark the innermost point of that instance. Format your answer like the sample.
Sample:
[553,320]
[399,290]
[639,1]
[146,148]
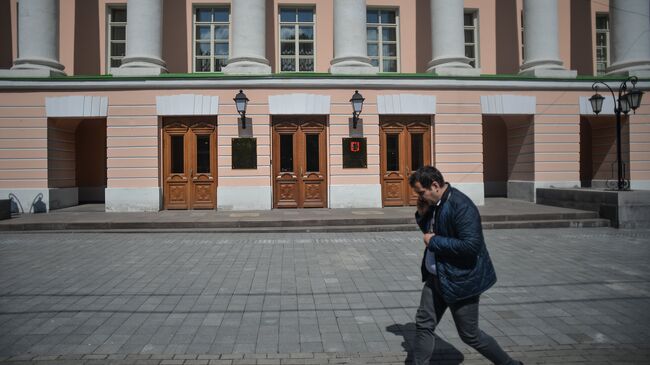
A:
[131,103]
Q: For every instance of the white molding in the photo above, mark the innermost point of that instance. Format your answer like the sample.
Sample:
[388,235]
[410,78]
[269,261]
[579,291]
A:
[406,104]
[76,106]
[244,198]
[232,83]
[475,191]
[187,104]
[28,199]
[355,196]
[508,104]
[585,106]
[304,104]
[133,199]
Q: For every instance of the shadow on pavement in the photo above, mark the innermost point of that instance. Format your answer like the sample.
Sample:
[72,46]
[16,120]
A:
[443,353]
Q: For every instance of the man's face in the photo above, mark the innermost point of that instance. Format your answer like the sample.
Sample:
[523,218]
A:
[431,195]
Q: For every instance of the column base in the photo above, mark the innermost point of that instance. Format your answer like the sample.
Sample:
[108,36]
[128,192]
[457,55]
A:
[640,69]
[247,66]
[140,66]
[444,70]
[352,66]
[547,69]
[138,71]
[36,71]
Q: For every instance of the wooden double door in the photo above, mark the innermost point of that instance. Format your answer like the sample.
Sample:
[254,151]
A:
[189,164]
[299,164]
[404,147]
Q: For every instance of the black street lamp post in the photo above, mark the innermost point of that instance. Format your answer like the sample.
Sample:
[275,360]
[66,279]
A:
[626,100]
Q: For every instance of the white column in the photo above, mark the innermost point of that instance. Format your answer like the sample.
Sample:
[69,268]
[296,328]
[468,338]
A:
[448,40]
[143,39]
[38,40]
[541,49]
[350,39]
[248,38]
[630,38]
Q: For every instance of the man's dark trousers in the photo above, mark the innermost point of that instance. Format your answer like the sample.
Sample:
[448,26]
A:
[465,314]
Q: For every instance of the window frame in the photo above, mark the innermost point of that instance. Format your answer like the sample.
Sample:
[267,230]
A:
[475,26]
[296,40]
[380,40]
[109,40]
[212,40]
[607,47]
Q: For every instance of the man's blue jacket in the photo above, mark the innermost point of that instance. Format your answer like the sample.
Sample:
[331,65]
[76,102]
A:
[463,264]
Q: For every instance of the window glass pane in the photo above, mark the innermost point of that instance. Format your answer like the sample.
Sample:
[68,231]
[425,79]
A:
[373,50]
[373,34]
[306,15]
[287,48]
[469,51]
[116,62]
[468,19]
[306,33]
[203,14]
[286,152]
[203,49]
[221,32]
[203,154]
[221,15]
[390,66]
[392,152]
[306,64]
[417,151]
[288,64]
[374,62]
[372,16]
[177,154]
[387,17]
[221,49]
[203,32]
[389,34]
[287,15]
[469,35]
[287,32]
[306,49]
[389,50]
[601,22]
[118,15]
[202,65]
[118,33]
[244,153]
[118,49]
[219,63]
[601,39]
[312,155]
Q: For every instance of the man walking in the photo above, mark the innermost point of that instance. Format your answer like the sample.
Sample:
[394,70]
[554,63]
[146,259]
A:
[456,267]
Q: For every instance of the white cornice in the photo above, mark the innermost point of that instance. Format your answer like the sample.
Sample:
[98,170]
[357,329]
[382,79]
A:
[307,83]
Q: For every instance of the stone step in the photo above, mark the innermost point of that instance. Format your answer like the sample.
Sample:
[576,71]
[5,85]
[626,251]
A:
[569,223]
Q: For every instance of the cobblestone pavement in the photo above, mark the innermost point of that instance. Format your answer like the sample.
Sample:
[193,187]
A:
[563,296]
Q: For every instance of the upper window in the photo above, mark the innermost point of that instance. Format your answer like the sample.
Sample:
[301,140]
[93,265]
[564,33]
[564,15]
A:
[211,38]
[296,39]
[471,37]
[116,36]
[382,39]
[602,43]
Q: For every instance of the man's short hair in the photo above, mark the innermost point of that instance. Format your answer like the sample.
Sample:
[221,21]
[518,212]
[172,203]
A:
[426,175]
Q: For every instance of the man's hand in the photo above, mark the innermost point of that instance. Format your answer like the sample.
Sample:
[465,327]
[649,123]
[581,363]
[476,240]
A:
[427,238]
[422,206]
